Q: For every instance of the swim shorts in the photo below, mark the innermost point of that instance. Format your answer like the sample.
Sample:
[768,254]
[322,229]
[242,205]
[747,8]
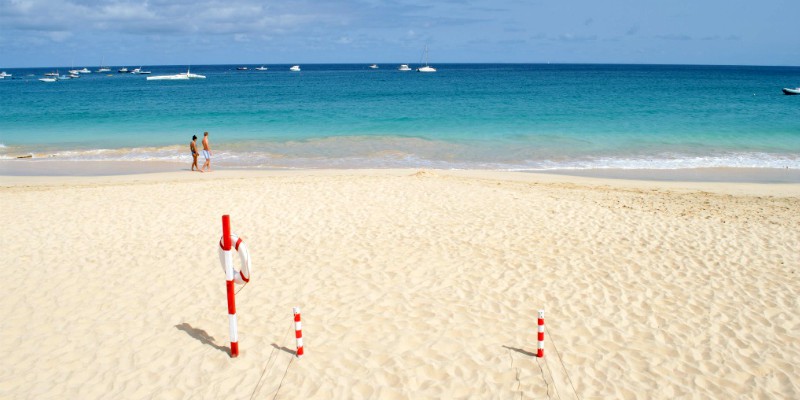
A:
[206,154]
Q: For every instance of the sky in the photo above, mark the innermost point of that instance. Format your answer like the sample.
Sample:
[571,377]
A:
[43,33]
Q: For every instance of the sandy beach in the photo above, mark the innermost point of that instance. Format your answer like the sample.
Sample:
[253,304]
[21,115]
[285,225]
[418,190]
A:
[413,284]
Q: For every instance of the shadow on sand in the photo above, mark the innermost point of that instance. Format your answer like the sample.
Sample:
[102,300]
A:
[202,336]
[523,352]
[286,349]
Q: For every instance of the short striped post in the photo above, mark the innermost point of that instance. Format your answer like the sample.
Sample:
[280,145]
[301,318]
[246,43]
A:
[226,247]
[540,351]
[298,331]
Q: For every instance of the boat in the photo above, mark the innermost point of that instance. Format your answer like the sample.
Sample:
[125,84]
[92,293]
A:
[102,68]
[123,70]
[84,71]
[791,92]
[139,71]
[53,74]
[404,67]
[374,66]
[261,68]
[295,68]
[426,68]
[74,76]
[241,68]
[4,75]
[176,77]
[73,72]
[64,77]
[47,79]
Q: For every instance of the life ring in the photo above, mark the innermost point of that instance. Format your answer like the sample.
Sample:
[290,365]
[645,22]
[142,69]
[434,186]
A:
[243,276]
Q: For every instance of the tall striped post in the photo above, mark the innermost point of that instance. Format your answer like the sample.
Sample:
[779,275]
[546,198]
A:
[540,351]
[298,331]
[226,247]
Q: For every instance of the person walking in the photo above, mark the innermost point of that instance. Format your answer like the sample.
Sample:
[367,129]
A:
[206,153]
[193,148]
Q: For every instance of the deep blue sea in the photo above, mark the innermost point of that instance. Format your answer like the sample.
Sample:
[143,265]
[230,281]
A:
[485,116]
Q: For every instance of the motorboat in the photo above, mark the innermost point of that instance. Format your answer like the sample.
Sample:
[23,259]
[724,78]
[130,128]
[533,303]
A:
[47,79]
[123,70]
[64,77]
[374,66]
[404,67]
[791,92]
[73,72]
[4,75]
[84,71]
[426,67]
[261,68]
[53,74]
[176,77]
[139,71]
[74,76]
[295,68]
[241,68]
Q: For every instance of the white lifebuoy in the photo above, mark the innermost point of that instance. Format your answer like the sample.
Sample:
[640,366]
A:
[242,276]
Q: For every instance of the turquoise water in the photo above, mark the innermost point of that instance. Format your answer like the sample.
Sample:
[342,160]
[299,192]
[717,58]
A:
[505,116]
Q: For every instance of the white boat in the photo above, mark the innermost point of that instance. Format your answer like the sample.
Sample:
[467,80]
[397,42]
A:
[791,92]
[84,71]
[426,68]
[374,66]
[74,76]
[123,70]
[295,68]
[404,67]
[241,68]
[53,74]
[139,71]
[177,77]
[4,75]
[73,72]
[102,68]
[261,68]
[47,79]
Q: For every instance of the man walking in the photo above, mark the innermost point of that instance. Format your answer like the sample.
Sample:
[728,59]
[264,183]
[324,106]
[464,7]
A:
[206,153]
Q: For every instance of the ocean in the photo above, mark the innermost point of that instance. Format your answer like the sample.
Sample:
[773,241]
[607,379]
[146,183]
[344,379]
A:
[520,117]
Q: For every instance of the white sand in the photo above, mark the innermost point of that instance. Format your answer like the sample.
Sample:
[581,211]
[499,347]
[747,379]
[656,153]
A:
[412,285]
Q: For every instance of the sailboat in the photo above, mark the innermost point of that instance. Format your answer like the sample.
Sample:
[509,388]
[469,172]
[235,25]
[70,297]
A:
[103,68]
[426,68]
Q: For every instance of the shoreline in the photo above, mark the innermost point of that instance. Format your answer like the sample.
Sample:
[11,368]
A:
[52,168]
[157,174]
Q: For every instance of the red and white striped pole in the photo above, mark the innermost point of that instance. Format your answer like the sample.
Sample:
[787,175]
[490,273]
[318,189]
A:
[298,331]
[540,351]
[226,247]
